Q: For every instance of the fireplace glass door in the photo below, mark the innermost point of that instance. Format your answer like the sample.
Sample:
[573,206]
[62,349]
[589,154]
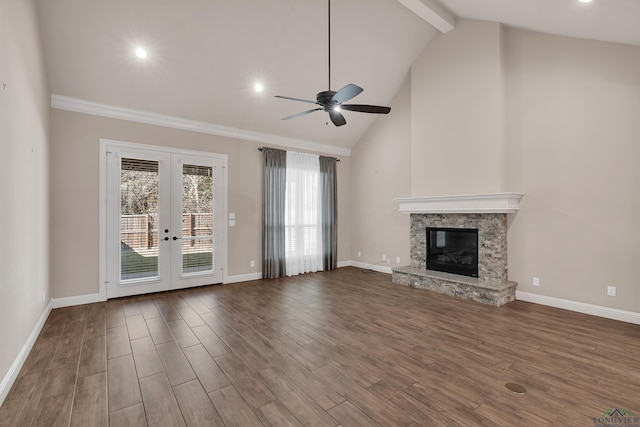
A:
[453,250]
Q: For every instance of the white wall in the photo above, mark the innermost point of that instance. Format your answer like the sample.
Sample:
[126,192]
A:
[573,112]
[75,189]
[381,171]
[457,112]
[24,212]
[553,117]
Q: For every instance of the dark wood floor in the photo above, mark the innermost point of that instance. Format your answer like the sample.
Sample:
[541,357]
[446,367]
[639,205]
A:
[337,348]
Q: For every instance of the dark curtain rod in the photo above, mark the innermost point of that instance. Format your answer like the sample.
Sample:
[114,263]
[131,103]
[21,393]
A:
[337,159]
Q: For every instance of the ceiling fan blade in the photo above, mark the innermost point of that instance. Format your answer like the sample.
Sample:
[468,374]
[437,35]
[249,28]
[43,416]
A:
[346,93]
[337,118]
[295,99]
[375,109]
[293,116]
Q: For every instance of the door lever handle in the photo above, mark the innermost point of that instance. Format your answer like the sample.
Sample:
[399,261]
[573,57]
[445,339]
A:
[166,238]
[175,238]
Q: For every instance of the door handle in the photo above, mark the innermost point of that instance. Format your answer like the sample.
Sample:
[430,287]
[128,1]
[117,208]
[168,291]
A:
[176,238]
[166,238]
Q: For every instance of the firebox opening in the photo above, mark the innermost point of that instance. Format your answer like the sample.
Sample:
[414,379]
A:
[453,250]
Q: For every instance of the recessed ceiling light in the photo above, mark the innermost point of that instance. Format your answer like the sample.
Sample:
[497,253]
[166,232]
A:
[141,53]
[585,1]
[258,87]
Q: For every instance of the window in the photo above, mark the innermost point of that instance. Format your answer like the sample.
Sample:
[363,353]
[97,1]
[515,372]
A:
[303,232]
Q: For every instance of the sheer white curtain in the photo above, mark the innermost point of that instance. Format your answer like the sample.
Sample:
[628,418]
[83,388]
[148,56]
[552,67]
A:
[303,212]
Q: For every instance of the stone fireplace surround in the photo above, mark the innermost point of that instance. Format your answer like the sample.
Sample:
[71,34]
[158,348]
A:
[487,213]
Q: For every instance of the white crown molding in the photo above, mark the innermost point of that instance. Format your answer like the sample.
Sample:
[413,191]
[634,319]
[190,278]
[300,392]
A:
[14,370]
[465,203]
[112,111]
[580,307]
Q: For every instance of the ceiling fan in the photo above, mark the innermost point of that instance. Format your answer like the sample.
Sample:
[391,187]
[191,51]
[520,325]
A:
[331,101]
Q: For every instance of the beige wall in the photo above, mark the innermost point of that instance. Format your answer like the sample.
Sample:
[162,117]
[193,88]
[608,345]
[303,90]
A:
[24,129]
[574,151]
[555,118]
[75,185]
[457,112]
[381,172]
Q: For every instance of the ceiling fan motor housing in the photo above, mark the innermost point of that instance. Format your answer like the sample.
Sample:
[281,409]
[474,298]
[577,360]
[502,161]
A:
[326,99]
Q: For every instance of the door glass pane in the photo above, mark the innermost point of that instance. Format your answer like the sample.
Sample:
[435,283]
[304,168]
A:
[138,219]
[197,219]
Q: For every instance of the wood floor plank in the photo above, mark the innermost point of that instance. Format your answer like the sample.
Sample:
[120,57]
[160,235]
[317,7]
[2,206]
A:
[275,414]
[118,342]
[252,389]
[60,381]
[303,407]
[136,326]
[93,358]
[115,316]
[21,402]
[131,308]
[196,406]
[218,325]
[183,333]
[133,416]
[197,305]
[149,310]
[207,370]
[160,404]
[250,357]
[96,325]
[168,312]
[53,411]
[233,410]
[90,402]
[214,345]
[159,330]
[175,363]
[123,383]
[190,316]
[349,415]
[146,358]
[381,411]
[322,394]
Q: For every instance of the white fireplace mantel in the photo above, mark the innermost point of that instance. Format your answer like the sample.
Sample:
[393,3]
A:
[466,203]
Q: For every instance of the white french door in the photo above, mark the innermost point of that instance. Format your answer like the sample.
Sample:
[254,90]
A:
[164,218]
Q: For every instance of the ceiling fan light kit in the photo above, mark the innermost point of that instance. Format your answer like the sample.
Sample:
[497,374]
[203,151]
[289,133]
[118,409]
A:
[331,101]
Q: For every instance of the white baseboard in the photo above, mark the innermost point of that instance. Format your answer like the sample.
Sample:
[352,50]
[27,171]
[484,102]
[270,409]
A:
[243,278]
[14,370]
[77,300]
[374,267]
[581,307]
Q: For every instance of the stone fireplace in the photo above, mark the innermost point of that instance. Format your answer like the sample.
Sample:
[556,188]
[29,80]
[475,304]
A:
[485,212]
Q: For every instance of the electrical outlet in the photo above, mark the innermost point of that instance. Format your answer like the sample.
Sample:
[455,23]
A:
[536,281]
[43,296]
[397,260]
[252,263]
[611,291]
[384,257]
[359,254]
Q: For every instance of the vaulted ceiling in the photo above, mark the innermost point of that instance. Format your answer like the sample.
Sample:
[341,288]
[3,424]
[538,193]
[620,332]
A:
[204,56]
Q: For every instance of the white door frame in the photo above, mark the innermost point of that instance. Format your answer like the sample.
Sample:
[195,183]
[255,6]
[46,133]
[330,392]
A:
[102,216]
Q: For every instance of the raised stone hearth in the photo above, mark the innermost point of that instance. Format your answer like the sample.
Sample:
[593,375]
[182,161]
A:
[491,286]
[493,292]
